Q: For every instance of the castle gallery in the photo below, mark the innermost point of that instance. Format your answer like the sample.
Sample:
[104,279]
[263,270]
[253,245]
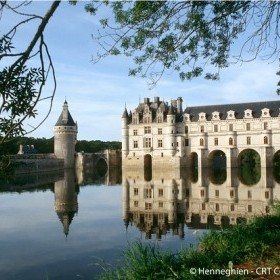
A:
[164,134]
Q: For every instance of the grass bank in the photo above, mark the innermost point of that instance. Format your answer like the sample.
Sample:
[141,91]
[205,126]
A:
[244,251]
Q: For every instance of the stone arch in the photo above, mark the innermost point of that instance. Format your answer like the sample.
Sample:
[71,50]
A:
[101,167]
[148,164]
[193,167]
[249,162]
[250,156]
[217,159]
[217,167]
[276,158]
[276,166]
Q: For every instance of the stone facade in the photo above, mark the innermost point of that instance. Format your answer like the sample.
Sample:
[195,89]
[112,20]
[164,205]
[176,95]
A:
[169,135]
[65,137]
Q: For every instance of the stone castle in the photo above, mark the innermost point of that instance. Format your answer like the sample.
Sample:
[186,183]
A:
[161,133]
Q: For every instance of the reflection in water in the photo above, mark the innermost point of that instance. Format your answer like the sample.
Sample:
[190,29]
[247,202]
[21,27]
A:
[66,201]
[218,175]
[250,173]
[217,198]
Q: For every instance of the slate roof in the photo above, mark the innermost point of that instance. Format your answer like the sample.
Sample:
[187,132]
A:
[239,109]
[69,122]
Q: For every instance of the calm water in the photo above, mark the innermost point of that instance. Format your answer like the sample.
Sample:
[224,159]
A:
[60,230]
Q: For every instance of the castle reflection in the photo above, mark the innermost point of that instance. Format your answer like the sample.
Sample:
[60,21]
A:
[199,199]
[66,199]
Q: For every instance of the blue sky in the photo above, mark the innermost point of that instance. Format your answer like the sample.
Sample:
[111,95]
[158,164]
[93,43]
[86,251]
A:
[97,93]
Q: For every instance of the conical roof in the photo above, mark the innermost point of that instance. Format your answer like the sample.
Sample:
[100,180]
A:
[65,118]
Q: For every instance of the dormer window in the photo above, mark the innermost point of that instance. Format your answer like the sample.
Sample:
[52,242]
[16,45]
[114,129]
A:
[230,115]
[265,113]
[248,114]
[215,115]
[187,117]
[202,116]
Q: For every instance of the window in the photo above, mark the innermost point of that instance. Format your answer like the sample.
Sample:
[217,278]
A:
[135,191]
[202,193]
[147,193]
[230,141]
[216,141]
[265,125]
[230,128]
[202,128]
[136,203]
[160,143]
[160,192]
[232,207]
[159,130]
[135,120]
[135,144]
[231,193]
[160,204]
[159,119]
[186,129]
[148,143]
[248,140]
[249,194]
[135,132]
[203,206]
[186,142]
[147,129]
[266,194]
[265,140]
[217,193]
[147,119]
[217,207]
[148,206]
[215,128]
[250,208]
[201,142]
[248,126]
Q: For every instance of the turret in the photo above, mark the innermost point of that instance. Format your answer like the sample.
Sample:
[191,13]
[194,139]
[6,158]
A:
[65,137]
[171,131]
[125,139]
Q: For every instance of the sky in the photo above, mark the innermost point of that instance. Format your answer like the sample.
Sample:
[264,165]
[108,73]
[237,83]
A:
[98,93]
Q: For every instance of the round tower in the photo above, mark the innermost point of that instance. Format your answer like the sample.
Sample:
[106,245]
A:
[65,137]
[125,138]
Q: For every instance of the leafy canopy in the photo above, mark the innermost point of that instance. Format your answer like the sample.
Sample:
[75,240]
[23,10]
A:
[193,38]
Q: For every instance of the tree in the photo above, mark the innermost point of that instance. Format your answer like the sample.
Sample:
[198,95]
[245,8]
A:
[193,38]
[22,83]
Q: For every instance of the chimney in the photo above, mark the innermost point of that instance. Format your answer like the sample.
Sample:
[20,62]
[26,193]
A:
[179,105]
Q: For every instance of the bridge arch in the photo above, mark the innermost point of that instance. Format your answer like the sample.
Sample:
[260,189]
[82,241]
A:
[193,164]
[101,166]
[249,155]
[148,167]
[217,159]
[276,166]
[217,163]
[249,161]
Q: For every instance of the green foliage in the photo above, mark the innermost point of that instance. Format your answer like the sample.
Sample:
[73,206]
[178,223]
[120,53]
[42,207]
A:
[22,83]
[96,145]
[194,38]
[19,92]
[254,241]
[46,146]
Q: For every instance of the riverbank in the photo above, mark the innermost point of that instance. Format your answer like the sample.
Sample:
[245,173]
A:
[244,251]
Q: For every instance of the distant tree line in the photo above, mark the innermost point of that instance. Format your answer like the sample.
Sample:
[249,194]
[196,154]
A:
[46,146]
